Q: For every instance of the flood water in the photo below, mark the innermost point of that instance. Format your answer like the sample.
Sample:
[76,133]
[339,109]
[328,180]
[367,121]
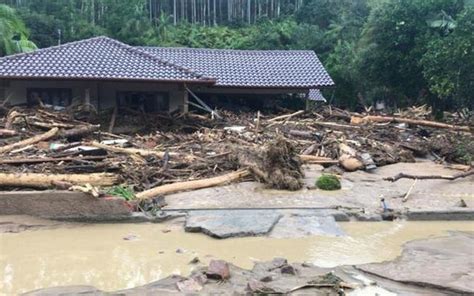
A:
[99,255]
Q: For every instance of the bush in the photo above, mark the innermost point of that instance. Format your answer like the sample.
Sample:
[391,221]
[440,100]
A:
[328,182]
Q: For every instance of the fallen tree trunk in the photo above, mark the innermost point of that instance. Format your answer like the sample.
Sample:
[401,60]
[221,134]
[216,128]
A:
[317,159]
[45,180]
[134,152]
[287,116]
[373,118]
[426,177]
[192,185]
[48,159]
[38,138]
[7,132]
[79,131]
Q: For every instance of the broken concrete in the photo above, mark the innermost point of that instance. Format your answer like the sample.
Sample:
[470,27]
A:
[444,263]
[305,223]
[224,224]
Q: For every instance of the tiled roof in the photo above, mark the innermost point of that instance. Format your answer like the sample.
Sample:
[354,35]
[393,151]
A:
[98,58]
[102,58]
[251,68]
[316,95]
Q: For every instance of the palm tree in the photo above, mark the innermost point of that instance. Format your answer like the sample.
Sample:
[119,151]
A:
[13,33]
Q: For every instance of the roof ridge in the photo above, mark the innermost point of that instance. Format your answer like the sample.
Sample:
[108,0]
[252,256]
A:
[135,49]
[284,51]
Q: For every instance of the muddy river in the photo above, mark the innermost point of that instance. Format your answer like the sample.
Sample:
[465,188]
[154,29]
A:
[118,256]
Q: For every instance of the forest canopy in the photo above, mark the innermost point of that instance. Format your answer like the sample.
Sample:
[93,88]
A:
[404,52]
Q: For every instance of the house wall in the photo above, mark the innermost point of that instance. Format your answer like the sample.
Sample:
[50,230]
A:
[16,91]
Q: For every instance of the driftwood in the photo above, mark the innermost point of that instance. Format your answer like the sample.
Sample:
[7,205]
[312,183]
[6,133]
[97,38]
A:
[79,131]
[7,132]
[38,138]
[112,119]
[47,159]
[192,185]
[287,116]
[317,159]
[427,177]
[46,180]
[134,152]
[372,118]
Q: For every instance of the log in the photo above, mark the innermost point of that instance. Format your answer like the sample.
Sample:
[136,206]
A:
[287,116]
[134,152]
[38,138]
[7,133]
[426,177]
[45,180]
[79,131]
[193,185]
[112,119]
[317,159]
[374,118]
[16,161]
[333,125]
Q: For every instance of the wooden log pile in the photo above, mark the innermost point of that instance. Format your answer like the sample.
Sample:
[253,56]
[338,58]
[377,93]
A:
[162,153]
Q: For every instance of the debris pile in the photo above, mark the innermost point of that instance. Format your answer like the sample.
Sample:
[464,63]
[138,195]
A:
[43,148]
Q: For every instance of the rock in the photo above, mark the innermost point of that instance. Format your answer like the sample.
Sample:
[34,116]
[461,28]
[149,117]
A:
[130,237]
[288,269]
[257,287]
[351,164]
[189,285]
[266,279]
[235,223]
[179,251]
[195,261]
[218,269]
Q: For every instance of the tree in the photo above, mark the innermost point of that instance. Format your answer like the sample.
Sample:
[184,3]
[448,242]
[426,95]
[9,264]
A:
[13,33]
[448,64]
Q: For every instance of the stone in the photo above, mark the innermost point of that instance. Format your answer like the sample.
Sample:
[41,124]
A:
[257,287]
[351,164]
[189,285]
[218,269]
[195,260]
[235,223]
[266,279]
[288,269]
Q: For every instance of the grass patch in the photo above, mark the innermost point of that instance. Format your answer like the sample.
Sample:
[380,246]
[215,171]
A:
[123,191]
[328,182]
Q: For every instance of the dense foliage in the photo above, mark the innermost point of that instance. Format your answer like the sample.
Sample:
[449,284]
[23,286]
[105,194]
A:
[401,51]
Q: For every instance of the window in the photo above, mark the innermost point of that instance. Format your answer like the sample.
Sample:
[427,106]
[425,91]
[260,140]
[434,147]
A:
[145,101]
[49,96]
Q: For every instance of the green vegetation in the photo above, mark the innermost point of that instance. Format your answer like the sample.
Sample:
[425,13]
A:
[13,33]
[328,182]
[123,191]
[405,52]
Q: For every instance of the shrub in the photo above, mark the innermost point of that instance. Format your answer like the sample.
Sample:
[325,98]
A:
[328,182]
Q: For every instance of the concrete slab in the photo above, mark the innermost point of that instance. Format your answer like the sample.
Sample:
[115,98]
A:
[360,190]
[443,263]
[224,224]
[303,224]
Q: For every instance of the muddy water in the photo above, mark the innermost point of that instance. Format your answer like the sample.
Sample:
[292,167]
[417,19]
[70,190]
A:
[99,255]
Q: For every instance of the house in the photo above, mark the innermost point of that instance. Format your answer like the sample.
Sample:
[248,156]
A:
[104,72]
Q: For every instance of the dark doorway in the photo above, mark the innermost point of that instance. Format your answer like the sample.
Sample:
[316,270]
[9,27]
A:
[49,96]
